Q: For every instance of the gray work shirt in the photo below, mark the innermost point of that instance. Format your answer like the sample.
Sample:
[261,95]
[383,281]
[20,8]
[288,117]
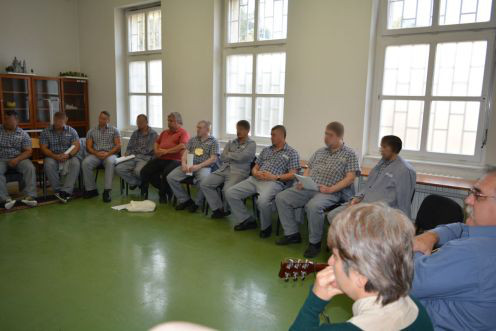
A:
[238,157]
[392,182]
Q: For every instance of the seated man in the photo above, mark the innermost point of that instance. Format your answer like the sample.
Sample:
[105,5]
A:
[274,168]
[391,181]
[205,150]
[168,149]
[236,158]
[373,266]
[457,284]
[333,168]
[54,142]
[141,146]
[15,151]
[102,144]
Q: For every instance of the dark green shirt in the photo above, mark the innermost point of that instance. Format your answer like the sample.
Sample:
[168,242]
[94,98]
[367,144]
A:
[309,318]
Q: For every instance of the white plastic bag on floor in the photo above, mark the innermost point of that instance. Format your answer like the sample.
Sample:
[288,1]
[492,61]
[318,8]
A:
[137,206]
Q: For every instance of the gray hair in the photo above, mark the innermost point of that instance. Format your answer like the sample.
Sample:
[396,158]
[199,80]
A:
[377,242]
[208,124]
[177,116]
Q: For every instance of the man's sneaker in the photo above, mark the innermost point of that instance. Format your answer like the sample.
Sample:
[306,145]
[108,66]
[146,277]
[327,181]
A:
[106,196]
[218,214]
[266,232]
[291,239]
[29,201]
[90,194]
[248,224]
[312,251]
[185,204]
[9,203]
[61,196]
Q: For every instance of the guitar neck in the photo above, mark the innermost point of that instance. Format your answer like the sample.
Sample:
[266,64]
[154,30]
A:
[320,266]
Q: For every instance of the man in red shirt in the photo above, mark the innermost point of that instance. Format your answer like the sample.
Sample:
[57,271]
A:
[168,152]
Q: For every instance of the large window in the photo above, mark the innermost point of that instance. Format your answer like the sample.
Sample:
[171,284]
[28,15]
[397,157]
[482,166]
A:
[144,65]
[434,77]
[255,64]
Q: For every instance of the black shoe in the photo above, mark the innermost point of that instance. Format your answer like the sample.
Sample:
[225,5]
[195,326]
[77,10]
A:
[133,187]
[90,194]
[193,208]
[218,214]
[266,233]
[184,205]
[246,225]
[312,251]
[106,196]
[288,240]
[61,196]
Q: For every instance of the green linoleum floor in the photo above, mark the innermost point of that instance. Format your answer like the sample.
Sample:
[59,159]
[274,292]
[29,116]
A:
[84,266]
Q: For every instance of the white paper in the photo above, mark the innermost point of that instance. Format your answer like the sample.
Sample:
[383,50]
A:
[308,183]
[69,150]
[124,158]
[121,207]
[189,162]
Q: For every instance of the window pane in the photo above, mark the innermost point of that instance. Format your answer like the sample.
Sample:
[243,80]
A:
[136,32]
[403,118]
[154,29]
[137,105]
[459,68]
[155,111]
[405,70]
[137,77]
[155,76]
[237,108]
[239,73]
[464,11]
[241,21]
[453,127]
[271,71]
[272,19]
[268,113]
[409,13]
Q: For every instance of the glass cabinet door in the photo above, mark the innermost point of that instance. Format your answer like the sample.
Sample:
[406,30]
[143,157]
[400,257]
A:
[74,100]
[15,96]
[47,99]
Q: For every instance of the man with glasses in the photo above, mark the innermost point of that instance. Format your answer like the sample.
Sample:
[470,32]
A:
[457,284]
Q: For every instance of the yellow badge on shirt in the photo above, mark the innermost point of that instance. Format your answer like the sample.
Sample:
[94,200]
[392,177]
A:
[198,151]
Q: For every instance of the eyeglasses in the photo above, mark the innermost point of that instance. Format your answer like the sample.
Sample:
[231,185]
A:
[479,196]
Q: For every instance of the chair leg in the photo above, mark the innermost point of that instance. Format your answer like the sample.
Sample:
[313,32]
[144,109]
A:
[278,227]
[255,210]
[121,185]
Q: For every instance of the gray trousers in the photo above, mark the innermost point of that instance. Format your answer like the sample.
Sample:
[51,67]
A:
[26,168]
[267,191]
[52,171]
[175,177]
[90,162]
[130,170]
[314,202]
[210,184]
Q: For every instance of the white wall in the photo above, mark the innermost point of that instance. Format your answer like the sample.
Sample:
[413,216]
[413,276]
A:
[44,33]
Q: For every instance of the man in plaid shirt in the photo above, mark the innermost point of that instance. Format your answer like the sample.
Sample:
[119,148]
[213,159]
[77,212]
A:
[54,141]
[333,168]
[102,143]
[274,169]
[205,150]
[15,151]
[141,146]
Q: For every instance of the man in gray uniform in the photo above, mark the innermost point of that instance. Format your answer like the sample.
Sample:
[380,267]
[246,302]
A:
[333,168]
[102,143]
[141,146]
[205,150]
[59,165]
[15,151]
[274,168]
[236,158]
[391,181]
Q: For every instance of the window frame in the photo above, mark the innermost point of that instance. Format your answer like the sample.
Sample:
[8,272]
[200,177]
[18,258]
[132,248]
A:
[146,56]
[253,48]
[385,38]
